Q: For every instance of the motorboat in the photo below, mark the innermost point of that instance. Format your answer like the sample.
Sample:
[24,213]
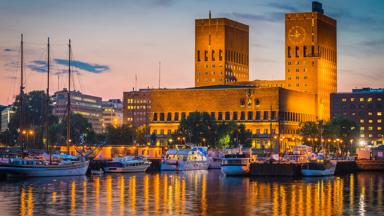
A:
[236,164]
[194,158]
[127,164]
[215,162]
[322,168]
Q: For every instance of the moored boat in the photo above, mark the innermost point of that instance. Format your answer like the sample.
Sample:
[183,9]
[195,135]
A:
[127,164]
[185,159]
[325,168]
[38,168]
[236,164]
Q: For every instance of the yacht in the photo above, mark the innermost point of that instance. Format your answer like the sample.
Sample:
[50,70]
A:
[325,168]
[236,164]
[185,159]
[127,164]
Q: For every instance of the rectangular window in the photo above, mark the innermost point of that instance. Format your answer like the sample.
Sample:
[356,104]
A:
[176,116]
[154,116]
[250,115]
[169,116]
[313,51]
[213,55]
[220,55]
[220,116]
[242,116]
[213,116]
[227,116]
[305,51]
[161,116]
[183,115]
[257,131]
[198,55]
[297,51]
[265,115]
[289,52]
[205,55]
[273,115]
[235,116]
[258,115]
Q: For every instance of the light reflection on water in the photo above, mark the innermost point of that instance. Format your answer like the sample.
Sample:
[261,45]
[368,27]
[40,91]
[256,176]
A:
[195,192]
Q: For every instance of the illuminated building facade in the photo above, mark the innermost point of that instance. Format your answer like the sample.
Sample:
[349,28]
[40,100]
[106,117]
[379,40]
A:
[366,107]
[311,55]
[222,87]
[6,115]
[137,107]
[112,113]
[88,106]
[221,51]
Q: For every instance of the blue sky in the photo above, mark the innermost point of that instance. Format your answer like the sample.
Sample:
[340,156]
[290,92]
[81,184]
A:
[115,40]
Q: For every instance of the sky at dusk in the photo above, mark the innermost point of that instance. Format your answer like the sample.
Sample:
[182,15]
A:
[114,41]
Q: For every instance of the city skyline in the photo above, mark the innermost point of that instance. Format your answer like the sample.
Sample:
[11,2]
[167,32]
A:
[131,40]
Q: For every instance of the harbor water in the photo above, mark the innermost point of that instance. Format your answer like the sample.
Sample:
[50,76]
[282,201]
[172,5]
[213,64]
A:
[193,193]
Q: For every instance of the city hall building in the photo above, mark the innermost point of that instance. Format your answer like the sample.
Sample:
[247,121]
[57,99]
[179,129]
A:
[268,108]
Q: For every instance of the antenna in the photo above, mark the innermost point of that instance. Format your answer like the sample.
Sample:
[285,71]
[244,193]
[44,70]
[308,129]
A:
[209,29]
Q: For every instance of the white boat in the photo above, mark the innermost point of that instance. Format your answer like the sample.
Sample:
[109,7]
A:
[127,164]
[215,162]
[37,168]
[318,169]
[236,164]
[185,159]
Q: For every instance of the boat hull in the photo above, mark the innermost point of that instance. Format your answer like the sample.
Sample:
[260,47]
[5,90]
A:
[75,169]
[232,170]
[311,172]
[214,165]
[184,166]
[127,169]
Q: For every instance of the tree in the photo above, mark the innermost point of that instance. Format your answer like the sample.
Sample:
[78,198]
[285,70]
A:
[344,129]
[201,128]
[34,105]
[120,136]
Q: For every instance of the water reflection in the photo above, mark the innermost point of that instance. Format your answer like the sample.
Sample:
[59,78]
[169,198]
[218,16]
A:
[198,193]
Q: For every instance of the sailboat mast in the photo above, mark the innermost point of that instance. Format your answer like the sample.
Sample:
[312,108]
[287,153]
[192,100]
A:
[69,98]
[21,111]
[48,99]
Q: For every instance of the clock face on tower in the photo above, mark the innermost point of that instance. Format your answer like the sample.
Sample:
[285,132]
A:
[296,34]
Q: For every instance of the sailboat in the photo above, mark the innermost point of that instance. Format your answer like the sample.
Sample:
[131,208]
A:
[24,167]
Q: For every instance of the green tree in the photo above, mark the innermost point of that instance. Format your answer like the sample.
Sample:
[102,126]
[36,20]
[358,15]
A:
[34,105]
[198,128]
[120,136]
[344,129]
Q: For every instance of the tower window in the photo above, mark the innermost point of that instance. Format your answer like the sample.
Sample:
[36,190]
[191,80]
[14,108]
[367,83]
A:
[289,52]
[198,55]
[220,55]
[313,51]
[305,51]
[213,55]
[296,51]
[205,55]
